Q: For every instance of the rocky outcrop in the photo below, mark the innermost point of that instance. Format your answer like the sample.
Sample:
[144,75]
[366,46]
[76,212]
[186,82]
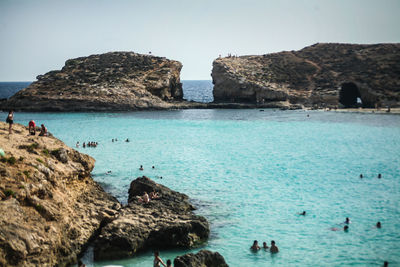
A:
[319,75]
[165,222]
[204,258]
[50,206]
[113,81]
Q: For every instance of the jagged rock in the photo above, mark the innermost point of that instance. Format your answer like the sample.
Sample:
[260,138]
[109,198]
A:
[166,222]
[204,258]
[48,214]
[105,82]
[316,76]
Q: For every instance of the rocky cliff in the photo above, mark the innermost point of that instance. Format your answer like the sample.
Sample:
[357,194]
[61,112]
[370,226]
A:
[113,81]
[164,222]
[50,207]
[319,75]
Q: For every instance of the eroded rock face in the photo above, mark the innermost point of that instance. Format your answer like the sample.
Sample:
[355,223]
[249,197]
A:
[166,222]
[50,206]
[319,75]
[111,81]
[204,258]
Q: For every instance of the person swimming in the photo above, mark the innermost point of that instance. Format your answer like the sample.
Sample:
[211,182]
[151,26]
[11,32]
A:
[141,168]
[265,246]
[273,248]
[345,228]
[302,213]
[378,225]
[255,246]
[361,176]
[379,176]
[347,221]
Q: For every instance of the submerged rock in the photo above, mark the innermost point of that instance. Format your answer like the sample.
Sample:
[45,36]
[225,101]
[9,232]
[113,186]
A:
[321,75]
[204,258]
[165,222]
[106,82]
[50,206]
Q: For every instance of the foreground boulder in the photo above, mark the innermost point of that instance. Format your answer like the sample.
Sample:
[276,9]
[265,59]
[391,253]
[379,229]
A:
[166,222]
[105,82]
[204,258]
[321,75]
[50,206]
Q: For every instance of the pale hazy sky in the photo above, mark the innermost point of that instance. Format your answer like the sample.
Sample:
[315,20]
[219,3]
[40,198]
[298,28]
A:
[39,36]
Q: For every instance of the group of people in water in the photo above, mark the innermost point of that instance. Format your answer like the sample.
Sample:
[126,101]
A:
[346,226]
[379,176]
[116,140]
[273,248]
[88,144]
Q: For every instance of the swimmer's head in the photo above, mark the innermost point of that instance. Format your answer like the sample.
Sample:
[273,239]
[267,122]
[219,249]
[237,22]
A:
[345,228]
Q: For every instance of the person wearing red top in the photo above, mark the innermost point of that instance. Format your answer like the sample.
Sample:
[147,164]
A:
[32,127]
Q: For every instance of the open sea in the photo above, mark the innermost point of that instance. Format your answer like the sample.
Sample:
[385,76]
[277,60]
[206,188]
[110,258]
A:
[250,172]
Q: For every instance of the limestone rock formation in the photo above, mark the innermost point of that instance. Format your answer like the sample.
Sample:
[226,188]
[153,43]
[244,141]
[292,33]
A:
[113,81]
[165,222]
[50,206]
[203,258]
[320,75]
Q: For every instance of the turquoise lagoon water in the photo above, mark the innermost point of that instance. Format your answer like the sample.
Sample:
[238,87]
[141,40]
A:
[250,172]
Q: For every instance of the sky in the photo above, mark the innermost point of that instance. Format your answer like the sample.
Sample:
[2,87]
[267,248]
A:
[39,36]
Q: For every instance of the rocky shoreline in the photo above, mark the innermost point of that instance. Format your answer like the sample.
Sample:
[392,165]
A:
[53,209]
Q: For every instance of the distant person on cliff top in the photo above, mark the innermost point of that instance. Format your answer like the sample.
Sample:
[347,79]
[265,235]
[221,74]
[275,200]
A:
[158,260]
[32,127]
[43,131]
[10,120]
[273,249]
[255,246]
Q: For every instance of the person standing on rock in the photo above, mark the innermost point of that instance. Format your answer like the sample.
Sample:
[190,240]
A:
[10,120]
[158,260]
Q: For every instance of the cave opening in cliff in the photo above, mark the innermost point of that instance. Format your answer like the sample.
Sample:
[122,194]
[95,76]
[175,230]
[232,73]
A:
[349,95]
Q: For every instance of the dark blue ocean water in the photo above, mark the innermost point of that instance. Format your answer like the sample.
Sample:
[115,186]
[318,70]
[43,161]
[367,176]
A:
[8,89]
[198,91]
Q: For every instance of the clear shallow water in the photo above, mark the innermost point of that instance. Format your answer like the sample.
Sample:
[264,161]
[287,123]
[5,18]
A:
[250,172]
